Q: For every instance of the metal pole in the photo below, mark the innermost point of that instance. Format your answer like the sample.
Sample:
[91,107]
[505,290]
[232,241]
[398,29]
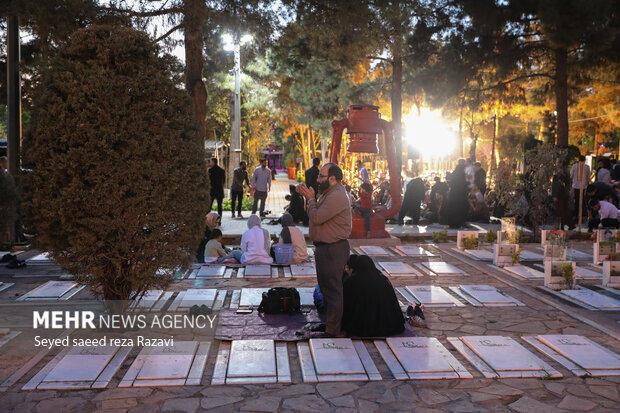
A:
[13,96]
[580,173]
[235,130]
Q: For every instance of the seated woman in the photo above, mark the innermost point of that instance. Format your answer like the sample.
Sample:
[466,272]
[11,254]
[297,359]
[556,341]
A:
[213,221]
[370,305]
[292,235]
[255,244]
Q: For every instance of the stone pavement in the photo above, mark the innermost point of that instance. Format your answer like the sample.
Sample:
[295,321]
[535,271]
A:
[542,314]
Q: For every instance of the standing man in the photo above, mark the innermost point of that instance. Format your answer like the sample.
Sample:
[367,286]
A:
[363,172]
[312,174]
[330,227]
[480,178]
[217,177]
[261,182]
[240,176]
[580,182]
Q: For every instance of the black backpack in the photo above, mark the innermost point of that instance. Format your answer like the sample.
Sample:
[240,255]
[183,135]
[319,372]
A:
[280,300]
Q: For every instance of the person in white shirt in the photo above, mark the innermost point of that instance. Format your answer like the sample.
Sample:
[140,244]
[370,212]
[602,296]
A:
[607,215]
[469,173]
[255,244]
[363,172]
[580,182]
[602,173]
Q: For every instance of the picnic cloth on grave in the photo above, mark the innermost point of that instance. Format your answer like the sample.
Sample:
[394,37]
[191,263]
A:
[279,327]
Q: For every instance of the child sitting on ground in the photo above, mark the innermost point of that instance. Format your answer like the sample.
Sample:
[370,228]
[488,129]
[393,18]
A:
[214,246]
[364,205]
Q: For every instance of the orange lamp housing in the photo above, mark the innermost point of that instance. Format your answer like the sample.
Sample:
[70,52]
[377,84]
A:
[363,123]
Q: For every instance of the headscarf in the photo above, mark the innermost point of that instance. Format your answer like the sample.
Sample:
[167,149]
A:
[286,221]
[253,221]
[364,265]
[212,220]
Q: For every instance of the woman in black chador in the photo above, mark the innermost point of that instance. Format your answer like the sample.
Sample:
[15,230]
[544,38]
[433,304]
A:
[414,195]
[458,204]
[370,305]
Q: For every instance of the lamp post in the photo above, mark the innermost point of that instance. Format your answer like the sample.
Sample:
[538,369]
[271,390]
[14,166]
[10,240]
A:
[233,43]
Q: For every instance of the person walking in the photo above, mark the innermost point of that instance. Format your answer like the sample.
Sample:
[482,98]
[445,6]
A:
[312,174]
[217,177]
[580,175]
[330,227]
[240,176]
[261,182]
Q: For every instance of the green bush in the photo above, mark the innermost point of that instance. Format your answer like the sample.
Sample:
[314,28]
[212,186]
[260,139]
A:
[119,180]
[246,205]
[440,236]
[490,236]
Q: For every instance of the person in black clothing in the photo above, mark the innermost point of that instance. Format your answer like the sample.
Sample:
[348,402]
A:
[560,191]
[217,177]
[480,178]
[296,207]
[414,194]
[371,308]
[457,204]
[240,176]
[312,174]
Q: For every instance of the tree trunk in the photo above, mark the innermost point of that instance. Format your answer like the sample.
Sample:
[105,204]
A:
[193,18]
[397,108]
[460,152]
[561,96]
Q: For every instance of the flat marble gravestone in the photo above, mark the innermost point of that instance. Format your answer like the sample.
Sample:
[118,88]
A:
[260,270]
[482,255]
[252,358]
[525,272]
[582,351]
[374,250]
[300,270]
[442,268]
[53,289]
[486,294]
[333,356]
[593,298]
[41,258]
[502,353]
[195,296]
[419,354]
[578,255]
[412,250]
[82,363]
[172,362]
[211,271]
[430,294]
[398,268]
[581,272]
[531,256]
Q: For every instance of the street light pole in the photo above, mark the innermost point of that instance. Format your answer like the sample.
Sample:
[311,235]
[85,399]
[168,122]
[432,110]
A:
[236,126]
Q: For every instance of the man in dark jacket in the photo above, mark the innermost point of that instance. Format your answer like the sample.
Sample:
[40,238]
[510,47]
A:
[217,177]
[480,178]
[240,176]
[312,174]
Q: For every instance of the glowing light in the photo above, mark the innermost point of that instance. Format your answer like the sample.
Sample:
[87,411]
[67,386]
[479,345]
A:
[430,133]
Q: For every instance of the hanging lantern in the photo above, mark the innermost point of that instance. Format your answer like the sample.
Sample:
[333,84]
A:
[364,123]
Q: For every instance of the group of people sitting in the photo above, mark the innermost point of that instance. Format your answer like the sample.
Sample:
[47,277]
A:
[255,247]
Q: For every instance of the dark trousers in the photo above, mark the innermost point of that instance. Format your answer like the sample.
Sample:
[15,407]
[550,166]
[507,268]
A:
[236,197]
[584,210]
[412,210]
[607,223]
[562,211]
[365,212]
[330,261]
[220,199]
[259,196]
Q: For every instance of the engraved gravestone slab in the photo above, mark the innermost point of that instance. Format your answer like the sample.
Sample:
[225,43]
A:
[149,298]
[593,298]
[414,251]
[195,296]
[606,235]
[502,353]
[430,294]
[251,296]
[170,362]
[443,268]
[335,356]
[260,270]
[303,270]
[531,256]
[211,271]
[525,272]
[374,250]
[582,351]
[482,255]
[578,255]
[52,289]
[399,268]
[581,272]
[486,294]
[252,358]
[419,354]
[82,363]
